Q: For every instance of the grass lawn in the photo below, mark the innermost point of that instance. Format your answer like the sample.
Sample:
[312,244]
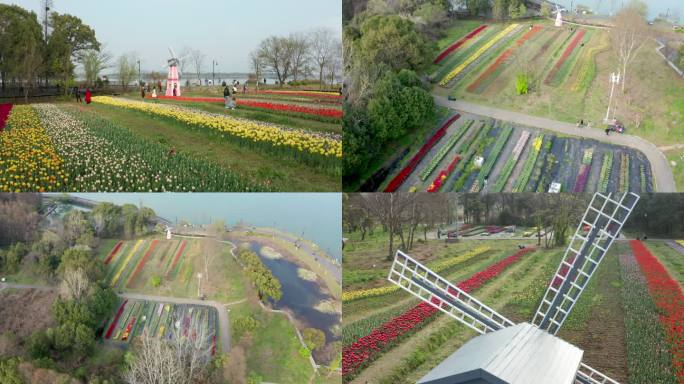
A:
[285,174]
[678,170]
[671,258]
[272,350]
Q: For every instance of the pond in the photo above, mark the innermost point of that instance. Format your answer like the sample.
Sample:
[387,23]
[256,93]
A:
[300,296]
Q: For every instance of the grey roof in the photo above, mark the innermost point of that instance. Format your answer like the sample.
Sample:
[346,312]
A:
[521,354]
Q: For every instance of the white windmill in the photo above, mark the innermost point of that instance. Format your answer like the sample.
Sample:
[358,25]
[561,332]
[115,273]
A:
[559,18]
[168,232]
[528,353]
[173,79]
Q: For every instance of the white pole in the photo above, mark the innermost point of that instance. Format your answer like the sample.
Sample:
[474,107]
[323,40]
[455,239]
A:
[610,100]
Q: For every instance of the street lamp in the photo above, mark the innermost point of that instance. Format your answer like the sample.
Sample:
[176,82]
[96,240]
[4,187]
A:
[213,74]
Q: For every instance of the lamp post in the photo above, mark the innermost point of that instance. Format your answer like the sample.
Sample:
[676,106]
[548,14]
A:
[213,72]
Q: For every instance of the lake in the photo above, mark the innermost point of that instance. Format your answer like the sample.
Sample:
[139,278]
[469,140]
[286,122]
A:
[313,216]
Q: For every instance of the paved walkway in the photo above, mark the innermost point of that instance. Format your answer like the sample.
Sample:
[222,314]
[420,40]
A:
[664,180]
[672,147]
[224,323]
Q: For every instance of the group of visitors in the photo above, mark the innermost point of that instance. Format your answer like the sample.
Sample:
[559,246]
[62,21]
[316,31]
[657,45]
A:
[229,100]
[77,94]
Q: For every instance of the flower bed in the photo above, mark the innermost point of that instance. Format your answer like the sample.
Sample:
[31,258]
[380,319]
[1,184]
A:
[5,110]
[511,162]
[142,262]
[447,79]
[321,94]
[494,153]
[489,72]
[571,47]
[624,173]
[437,267]
[669,299]
[583,175]
[524,176]
[172,268]
[458,43]
[444,150]
[108,335]
[335,114]
[604,176]
[443,175]
[361,353]
[399,179]
[270,136]
[28,159]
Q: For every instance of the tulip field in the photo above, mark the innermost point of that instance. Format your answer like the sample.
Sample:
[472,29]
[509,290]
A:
[134,318]
[390,337]
[471,154]
[58,147]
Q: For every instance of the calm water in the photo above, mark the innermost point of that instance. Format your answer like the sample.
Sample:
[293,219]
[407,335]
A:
[655,7]
[314,216]
[300,296]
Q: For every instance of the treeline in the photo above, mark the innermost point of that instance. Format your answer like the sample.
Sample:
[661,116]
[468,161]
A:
[27,56]
[267,285]
[386,46]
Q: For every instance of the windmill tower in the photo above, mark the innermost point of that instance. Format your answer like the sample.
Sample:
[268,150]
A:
[525,353]
[173,79]
[559,18]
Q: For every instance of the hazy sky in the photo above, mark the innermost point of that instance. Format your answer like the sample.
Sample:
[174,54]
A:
[225,30]
[655,7]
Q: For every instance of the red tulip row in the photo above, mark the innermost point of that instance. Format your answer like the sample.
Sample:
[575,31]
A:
[322,95]
[503,57]
[362,352]
[324,112]
[668,297]
[443,174]
[4,114]
[458,43]
[566,54]
[108,335]
[415,160]
[175,259]
[113,253]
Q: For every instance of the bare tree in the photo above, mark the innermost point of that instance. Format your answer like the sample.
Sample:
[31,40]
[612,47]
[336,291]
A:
[93,63]
[127,69]
[197,60]
[185,59]
[276,53]
[629,34]
[390,210]
[180,360]
[75,285]
[256,62]
[321,50]
[300,50]
[334,64]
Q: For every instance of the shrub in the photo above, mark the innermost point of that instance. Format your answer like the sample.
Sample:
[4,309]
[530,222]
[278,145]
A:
[155,281]
[521,84]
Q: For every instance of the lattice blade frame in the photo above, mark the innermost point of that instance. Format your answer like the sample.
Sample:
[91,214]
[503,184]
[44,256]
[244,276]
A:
[604,219]
[588,375]
[428,286]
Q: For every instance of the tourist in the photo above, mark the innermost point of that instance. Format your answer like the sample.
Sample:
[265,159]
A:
[232,103]
[244,88]
[174,90]
[87,96]
[226,95]
[154,94]
[142,92]
[607,131]
[77,94]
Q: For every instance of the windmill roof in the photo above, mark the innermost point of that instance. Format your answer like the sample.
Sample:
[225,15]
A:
[521,354]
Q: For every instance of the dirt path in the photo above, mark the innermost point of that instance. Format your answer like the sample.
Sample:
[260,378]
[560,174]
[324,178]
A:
[662,174]
[671,147]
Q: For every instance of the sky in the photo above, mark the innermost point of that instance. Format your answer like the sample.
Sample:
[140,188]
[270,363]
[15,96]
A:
[655,7]
[224,30]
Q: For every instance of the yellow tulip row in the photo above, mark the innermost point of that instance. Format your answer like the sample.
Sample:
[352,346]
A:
[437,267]
[277,137]
[28,160]
[680,242]
[477,54]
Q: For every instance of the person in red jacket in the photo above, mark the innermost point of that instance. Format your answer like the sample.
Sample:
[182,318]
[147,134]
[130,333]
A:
[87,96]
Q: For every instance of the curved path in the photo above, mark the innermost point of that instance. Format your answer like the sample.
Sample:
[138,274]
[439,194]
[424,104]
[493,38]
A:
[664,180]
[224,323]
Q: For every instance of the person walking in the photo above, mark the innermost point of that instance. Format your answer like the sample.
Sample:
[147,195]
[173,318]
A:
[226,95]
[607,131]
[77,94]
[244,88]
[88,95]
[174,90]
[142,92]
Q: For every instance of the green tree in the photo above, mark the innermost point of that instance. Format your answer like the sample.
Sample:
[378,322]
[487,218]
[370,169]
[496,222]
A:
[9,372]
[75,224]
[20,45]
[93,62]
[13,257]
[545,10]
[500,9]
[69,38]
[81,257]
[478,7]
[313,338]
[107,220]
[521,84]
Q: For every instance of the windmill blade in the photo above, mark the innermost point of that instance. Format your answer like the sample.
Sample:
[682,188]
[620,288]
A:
[173,54]
[604,219]
[428,286]
[588,375]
